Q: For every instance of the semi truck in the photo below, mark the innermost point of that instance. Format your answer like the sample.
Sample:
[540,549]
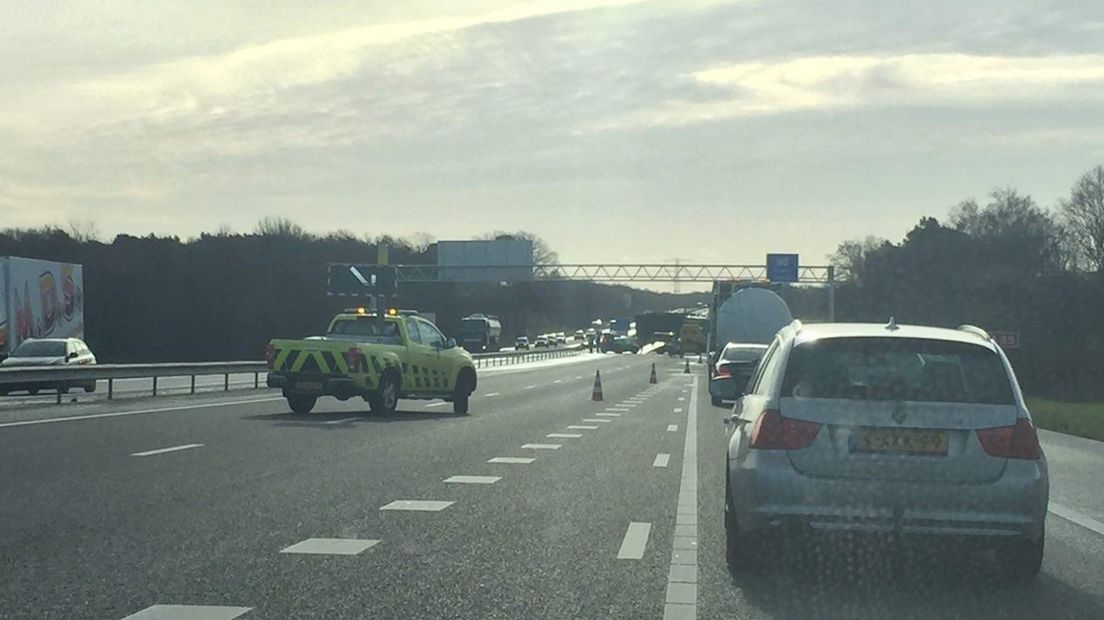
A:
[39,299]
[746,313]
[480,333]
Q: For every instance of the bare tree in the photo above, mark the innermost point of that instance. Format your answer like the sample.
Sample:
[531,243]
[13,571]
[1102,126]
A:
[84,231]
[280,227]
[542,252]
[1029,233]
[850,257]
[1083,216]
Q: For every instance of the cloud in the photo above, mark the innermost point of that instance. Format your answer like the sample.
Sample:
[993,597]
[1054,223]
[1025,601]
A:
[910,80]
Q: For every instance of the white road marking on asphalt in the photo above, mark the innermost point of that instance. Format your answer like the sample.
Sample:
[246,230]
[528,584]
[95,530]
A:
[437,404]
[580,427]
[661,460]
[577,377]
[678,409]
[1073,516]
[635,541]
[541,446]
[558,381]
[681,602]
[340,420]
[681,399]
[511,459]
[490,395]
[530,387]
[672,428]
[188,612]
[331,546]
[563,435]
[474,479]
[118,414]
[608,415]
[596,420]
[424,505]
[187,446]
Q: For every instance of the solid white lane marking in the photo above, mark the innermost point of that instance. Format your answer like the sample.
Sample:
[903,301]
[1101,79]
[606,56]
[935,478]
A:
[681,602]
[119,414]
[512,459]
[490,395]
[331,546]
[541,446]
[608,415]
[473,479]
[530,387]
[599,420]
[1069,514]
[340,420]
[188,612]
[672,428]
[661,460]
[635,541]
[187,446]
[437,404]
[424,505]
[580,427]
[564,435]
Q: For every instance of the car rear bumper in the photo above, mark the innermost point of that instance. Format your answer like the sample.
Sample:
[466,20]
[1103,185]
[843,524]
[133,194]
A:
[722,388]
[767,492]
[340,387]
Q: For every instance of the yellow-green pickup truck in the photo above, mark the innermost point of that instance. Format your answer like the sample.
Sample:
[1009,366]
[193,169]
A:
[380,357]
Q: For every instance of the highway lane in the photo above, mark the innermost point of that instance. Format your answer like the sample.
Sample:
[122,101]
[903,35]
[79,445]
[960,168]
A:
[90,531]
[87,530]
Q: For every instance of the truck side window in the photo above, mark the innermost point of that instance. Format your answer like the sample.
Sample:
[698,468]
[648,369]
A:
[430,335]
[412,331]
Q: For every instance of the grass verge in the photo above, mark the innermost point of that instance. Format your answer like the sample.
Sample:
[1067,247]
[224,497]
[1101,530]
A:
[1081,419]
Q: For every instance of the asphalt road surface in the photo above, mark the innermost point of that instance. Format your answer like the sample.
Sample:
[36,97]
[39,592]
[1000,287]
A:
[540,504]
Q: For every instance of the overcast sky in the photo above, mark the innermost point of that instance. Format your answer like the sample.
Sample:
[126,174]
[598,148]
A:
[619,131]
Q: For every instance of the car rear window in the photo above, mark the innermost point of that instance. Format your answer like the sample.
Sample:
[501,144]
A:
[742,354]
[383,331]
[914,369]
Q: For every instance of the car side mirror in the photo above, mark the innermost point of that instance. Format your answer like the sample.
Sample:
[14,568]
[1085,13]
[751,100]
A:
[450,343]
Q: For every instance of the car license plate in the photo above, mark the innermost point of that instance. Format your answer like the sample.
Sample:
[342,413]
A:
[911,441]
[308,385]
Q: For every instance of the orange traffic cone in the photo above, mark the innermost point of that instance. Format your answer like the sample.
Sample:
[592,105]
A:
[597,393]
[687,371]
[652,379]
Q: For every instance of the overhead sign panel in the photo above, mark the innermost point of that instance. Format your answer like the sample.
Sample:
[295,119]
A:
[782,267]
[360,280]
[503,260]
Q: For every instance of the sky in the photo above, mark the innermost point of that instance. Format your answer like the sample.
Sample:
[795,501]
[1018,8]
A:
[620,131]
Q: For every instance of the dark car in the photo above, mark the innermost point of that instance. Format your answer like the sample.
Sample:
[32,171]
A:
[39,352]
[732,370]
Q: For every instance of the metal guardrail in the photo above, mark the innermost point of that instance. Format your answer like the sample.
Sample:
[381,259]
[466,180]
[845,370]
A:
[75,375]
[505,358]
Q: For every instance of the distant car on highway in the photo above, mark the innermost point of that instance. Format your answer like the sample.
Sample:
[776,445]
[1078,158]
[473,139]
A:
[38,352]
[561,339]
[521,343]
[917,431]
[541,342]
[580,335]
[618,344]
[733,370]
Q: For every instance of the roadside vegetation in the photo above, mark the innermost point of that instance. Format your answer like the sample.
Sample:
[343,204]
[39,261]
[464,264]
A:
[1081,419]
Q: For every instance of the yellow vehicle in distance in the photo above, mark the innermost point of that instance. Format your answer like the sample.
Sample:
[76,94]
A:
[380,357]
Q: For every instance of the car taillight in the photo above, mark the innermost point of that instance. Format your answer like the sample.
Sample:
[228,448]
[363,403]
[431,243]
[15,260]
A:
[270,356]
[774,432]
[722,373]
[1019,441]
[352,359]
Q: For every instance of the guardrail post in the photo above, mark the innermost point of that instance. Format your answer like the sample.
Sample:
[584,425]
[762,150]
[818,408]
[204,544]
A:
[226,382]
[193,384]
[155,386]
[110,389]
[256,380]
[59,395]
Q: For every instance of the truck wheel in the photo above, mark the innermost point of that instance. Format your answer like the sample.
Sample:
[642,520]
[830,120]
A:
[301,403]
[464,388]
[387,398]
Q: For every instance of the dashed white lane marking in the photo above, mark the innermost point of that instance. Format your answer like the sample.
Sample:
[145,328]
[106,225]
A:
[681,601]
[580,427]
[437,404]
[490,395]
[558,381]
[530,387]
[118,414]
[1069,514]
[678,409]
[661,460]
[332,546]
[541,446]
[188,612]
[473,479]
[187,446]
[577,377]
[596,420]
[512,459]
[681,399]
[608,415]
[635,541]
[672,428]
[563,435]
[423,505]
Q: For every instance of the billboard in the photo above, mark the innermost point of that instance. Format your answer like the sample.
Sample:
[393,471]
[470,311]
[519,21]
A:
[503,260]
[39,299]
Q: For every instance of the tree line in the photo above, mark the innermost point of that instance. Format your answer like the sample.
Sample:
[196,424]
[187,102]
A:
[1004,264]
